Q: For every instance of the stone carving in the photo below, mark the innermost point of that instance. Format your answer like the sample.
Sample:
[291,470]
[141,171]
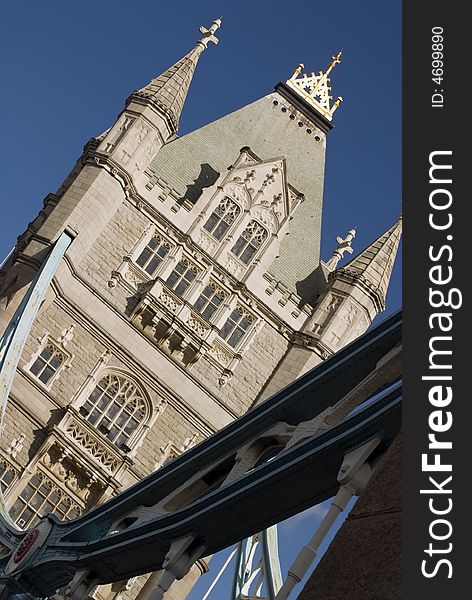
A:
[268,180]
[344,245]
[113,281]
[220,354]
[115,136]
[133,277]
[267,217]
[250,176]
[91,445]
[225,377]
[239,192]
[206,242]
[168,453]
[333,304]
[169,302]
[350,314]
[234,267]
[66,335]
[197,326]
[16,446]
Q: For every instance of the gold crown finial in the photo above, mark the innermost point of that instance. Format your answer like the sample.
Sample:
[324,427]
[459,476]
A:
[315,88]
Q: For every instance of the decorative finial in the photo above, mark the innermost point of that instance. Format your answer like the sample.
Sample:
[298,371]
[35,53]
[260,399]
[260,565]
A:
[315,88]
[344,245]
[209,34]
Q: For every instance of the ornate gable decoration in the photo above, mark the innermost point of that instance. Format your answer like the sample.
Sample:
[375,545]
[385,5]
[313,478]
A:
[315,89]
[261,188]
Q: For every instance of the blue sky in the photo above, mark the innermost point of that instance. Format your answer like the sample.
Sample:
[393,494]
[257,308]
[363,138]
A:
[67,67]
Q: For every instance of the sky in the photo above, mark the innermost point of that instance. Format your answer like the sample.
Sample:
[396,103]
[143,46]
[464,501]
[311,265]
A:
[66,69]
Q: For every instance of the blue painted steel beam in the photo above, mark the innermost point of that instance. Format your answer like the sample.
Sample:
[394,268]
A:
[14,338]
[269,493]
[241,508]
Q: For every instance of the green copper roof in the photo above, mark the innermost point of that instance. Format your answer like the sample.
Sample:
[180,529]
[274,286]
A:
[269,132]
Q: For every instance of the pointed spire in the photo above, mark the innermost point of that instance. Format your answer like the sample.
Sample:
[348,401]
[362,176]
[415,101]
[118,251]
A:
[169,90]
[373,266]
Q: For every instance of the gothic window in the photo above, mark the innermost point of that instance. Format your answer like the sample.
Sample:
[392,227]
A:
[249,242]
[48,362]
[182,276]
[222,218]
[153,254]
[39,497]
[236,326]
[116,408]
[209,300]
[7,474]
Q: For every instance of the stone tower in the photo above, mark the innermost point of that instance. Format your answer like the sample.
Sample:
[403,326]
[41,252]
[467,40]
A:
[193,288]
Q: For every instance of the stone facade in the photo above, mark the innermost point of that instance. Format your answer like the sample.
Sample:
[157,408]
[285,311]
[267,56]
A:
[192,290]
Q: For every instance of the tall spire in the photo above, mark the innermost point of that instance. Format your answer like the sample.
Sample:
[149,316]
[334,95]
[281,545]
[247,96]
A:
[169,90]
[373,266]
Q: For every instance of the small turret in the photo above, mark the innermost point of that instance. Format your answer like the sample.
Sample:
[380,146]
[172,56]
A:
[355,293]
[152,113]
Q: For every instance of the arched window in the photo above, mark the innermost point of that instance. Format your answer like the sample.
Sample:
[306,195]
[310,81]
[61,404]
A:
[117,408]
[153,254]
[249,242]
[47,363]
[222,218]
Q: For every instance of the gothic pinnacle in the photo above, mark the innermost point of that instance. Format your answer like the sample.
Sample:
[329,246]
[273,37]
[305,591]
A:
[373,266]
[344,245]
[209,34]
[168,91]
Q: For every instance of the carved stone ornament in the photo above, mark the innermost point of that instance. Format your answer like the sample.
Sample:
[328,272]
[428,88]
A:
[239,192]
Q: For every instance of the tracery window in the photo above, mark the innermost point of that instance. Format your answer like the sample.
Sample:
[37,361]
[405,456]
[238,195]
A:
[236,326]
[116,408]
[182,276]
[39,497]
[249,242]
[153,254]
[222,218]
[48,362]
[209,301]
[7,474]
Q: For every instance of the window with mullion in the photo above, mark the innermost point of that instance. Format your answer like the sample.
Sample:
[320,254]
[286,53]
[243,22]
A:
[7,475]
[47,363]
[249,242]
[222,218]
[153,255]
[181,277]
[236,326]
[116,408]
[39,497]
[209,301]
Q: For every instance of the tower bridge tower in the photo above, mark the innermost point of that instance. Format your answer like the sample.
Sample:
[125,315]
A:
[193,288]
